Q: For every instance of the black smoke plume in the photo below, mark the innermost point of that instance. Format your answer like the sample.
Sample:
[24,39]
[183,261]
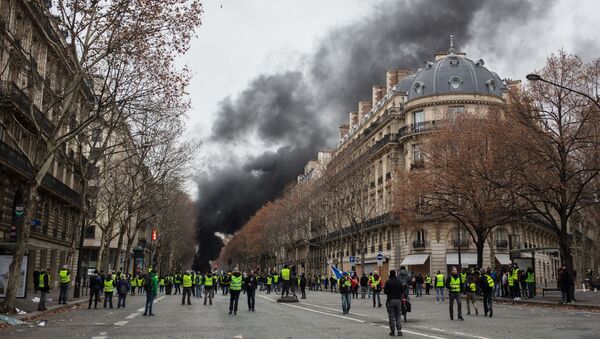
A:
[298,111]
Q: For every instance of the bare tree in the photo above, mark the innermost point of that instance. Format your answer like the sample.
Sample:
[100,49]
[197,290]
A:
[555,143]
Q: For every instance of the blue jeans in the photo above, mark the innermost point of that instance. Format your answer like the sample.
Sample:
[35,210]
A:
[497,290]
[419,290]
[346,298]
[149,301]
[376,295]
[198,291]
[439,294]
[530,290]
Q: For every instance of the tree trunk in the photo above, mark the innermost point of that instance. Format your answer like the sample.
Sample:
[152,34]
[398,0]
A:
[105,247]
[128,255]
[480,244]
[23,238]
[119,245]
[567,260]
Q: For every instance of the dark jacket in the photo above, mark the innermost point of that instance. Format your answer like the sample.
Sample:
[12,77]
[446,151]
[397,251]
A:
[484,285]
[250,282]
[96,282]
[364,281]
[302,281]
[123,282]
[46,287]
[395,288]
[404,277]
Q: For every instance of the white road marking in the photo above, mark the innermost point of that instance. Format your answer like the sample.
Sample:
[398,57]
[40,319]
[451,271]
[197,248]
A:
[466,335]
[102,333]
[98,324]
[132,316]
[417,333]
[99,337]
[325,313]
[121,323]
[141,309]
[331,309]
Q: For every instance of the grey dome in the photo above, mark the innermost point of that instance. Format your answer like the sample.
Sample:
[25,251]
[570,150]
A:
[452,74]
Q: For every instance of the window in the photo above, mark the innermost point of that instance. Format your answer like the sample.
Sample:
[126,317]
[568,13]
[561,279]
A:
[90,232]
[455,83]
[417,154]
[501,234]
[419,239]
[418,88]
[491,86]
[455,111]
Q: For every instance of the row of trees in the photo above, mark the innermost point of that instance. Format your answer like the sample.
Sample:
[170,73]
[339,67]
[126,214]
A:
[113,93]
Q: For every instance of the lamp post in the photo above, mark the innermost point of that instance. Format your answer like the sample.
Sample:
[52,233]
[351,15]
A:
[537,77]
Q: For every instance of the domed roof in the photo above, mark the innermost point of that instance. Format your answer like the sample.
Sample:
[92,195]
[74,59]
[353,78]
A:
[451,73]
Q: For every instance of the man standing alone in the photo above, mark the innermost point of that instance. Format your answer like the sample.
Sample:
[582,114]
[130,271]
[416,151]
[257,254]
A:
[345,290]
[44,287]
[64,278]
[394,290]
[151,286]
[251,283]
[455,288]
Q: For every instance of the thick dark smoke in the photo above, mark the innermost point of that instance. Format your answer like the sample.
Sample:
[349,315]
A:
[299,111]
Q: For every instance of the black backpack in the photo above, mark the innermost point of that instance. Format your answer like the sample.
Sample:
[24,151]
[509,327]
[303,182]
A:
[148,282]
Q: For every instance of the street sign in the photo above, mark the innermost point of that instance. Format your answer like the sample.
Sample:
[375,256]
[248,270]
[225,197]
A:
[380,259]
[352,259]
[19,211]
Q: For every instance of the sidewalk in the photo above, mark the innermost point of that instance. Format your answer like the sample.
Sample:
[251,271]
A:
[584,300]
[52,306]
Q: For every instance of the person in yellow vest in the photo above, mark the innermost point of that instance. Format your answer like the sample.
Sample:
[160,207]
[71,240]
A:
[140,284]
[516,273]
[133,283]
[276,281]
[161,284]
[285,281]
[269,283]
[198,280]
[186,280]
[193,283]
[209,291]
[235,288]
[427,283]
[64,278]
[486,284]
[44,287]
[530,281]
[345,287]
[109,288]
[376,289]
[439,288]
[471,290]
[511,284]
[455,288]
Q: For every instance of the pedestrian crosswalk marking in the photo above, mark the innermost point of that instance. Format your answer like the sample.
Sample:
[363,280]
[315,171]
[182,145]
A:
[325,313]
[121,323]
[417,333]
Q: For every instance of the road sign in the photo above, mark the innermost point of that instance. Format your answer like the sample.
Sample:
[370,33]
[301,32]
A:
[352,259]
[19,211]
[380,259]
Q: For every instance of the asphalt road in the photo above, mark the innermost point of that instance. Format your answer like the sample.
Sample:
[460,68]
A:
[319,316]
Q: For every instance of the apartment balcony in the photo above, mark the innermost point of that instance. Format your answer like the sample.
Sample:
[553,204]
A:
[502,243]
[419,244]
[418,128]
[461,243]
[381,143]
[10,92]
[14,159]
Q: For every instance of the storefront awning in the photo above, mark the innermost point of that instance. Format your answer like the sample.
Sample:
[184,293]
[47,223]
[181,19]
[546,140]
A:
[465,258]
[503,259]
[415,259]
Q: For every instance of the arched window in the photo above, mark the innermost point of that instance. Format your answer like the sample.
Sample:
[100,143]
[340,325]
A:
[419,239]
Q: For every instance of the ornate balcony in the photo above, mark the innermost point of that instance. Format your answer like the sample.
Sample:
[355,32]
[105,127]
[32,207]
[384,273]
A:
[419,127]
[419,244]
[461,243]
[9,91]
[502,243]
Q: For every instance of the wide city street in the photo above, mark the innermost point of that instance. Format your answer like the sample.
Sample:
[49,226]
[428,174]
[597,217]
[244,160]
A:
[319,316]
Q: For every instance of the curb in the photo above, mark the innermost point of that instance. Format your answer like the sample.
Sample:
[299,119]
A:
[35,314]
[544,304]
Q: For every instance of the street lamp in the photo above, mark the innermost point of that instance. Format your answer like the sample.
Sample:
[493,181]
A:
[537,77]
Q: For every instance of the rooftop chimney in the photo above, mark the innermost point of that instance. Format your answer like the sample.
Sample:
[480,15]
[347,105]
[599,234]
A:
[363,109]
[352,119]
[343,130]
[391,78]
[378,93]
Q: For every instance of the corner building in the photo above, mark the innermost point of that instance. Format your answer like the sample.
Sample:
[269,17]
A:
[386,135]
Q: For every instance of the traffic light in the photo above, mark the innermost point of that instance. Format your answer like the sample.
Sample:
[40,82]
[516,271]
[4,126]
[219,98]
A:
[154,234]
[12,233]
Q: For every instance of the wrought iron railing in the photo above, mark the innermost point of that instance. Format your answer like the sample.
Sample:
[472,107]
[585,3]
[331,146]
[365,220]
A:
[10,91]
